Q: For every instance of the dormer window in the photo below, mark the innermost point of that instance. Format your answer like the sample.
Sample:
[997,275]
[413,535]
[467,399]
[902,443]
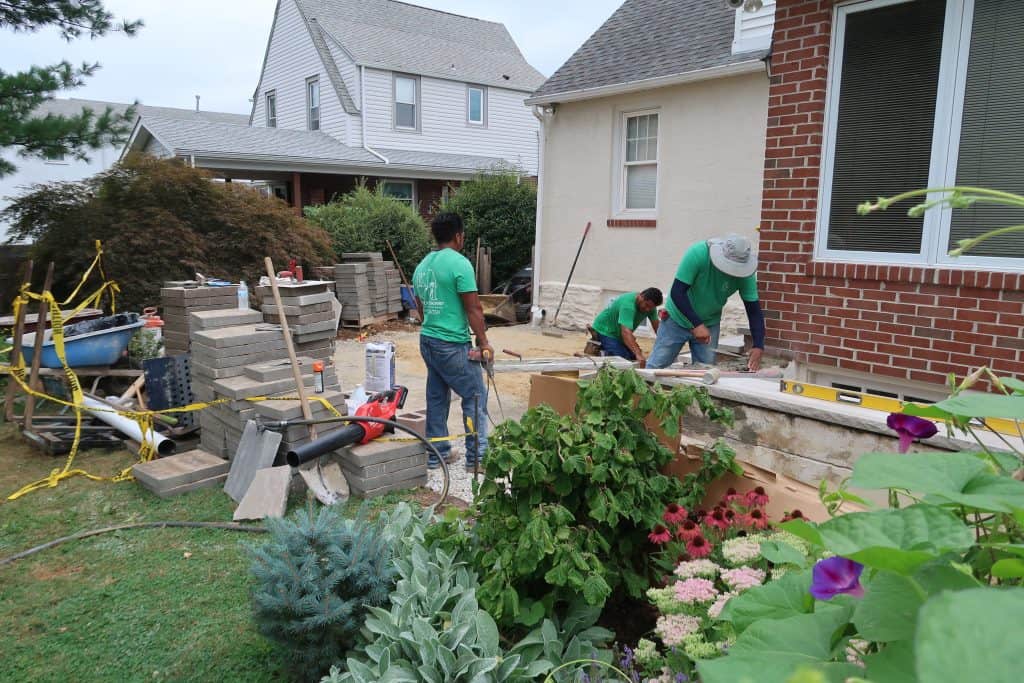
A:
[407,91]
[476,105]
[272,109]
[313,103]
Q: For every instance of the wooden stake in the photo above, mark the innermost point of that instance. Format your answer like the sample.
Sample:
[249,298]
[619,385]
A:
[33,378]
[296,373]
[19,330]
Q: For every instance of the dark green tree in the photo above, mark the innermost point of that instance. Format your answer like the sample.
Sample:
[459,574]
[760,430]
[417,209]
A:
[500,209]
[23,91]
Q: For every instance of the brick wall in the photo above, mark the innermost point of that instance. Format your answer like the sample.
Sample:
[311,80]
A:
[895,322]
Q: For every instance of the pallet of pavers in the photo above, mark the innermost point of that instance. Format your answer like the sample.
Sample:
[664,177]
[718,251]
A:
[180,473]
[308,308]
[178,302]
[382,466]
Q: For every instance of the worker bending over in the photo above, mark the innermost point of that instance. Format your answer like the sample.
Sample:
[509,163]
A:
[708,275]
[449,306]
[615,325]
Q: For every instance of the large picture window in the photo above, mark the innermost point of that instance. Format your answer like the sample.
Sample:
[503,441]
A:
[922,93]
[640,162]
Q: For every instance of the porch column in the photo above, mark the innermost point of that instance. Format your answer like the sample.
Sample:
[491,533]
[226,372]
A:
[297,193]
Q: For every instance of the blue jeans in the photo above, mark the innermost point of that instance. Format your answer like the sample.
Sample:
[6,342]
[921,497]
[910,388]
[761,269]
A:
[610,346]
[449,369]
[670,340]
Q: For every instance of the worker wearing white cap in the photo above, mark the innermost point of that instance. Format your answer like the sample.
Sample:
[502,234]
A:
[708,275]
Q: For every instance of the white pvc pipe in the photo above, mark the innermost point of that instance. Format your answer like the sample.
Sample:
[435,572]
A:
[129,428]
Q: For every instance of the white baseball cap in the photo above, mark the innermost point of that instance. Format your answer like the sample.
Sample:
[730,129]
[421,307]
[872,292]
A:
[733,255]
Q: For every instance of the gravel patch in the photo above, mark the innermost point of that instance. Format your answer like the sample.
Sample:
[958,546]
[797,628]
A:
[461,484]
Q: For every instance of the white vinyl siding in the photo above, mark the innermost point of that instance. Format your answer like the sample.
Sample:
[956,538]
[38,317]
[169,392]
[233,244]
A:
[511,131]
[291,58]
[476,105]
[639,183]
[753,30]
[922,94]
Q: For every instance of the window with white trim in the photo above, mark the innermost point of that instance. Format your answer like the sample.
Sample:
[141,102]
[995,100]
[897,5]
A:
[399,190]
[922,93]
[313,103]
[639,154]
[271,107]
[476,105]
[407,90]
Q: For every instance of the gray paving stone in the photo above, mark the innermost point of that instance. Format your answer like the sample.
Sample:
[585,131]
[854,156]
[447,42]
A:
[379,451]
[256,450]
[178,469]
[267,495]
[237,336]
[291,410]
[192,486]
[418,461]
[396,486]
[225,317]
[306,299]
[326,325]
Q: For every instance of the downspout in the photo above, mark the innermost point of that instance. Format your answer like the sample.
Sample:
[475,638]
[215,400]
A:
[544,114]
[362,115]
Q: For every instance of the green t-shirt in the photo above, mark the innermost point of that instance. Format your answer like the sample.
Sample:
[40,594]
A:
[439,280]
[710,288]
[621,312]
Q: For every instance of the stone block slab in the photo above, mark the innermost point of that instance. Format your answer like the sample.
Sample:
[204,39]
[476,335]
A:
[210,482]
[226,317]
[256,450]
[379,451]
[179,469]
[237,336]
[306,299]
[418,462]
[396,486]
[267,495]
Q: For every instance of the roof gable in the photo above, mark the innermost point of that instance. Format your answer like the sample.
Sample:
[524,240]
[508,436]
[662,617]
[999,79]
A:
[401,37]
[650,39]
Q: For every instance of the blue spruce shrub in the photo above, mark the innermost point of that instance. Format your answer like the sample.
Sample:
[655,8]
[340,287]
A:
[315,579]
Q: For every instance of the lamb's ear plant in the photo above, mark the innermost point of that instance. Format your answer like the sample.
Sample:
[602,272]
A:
[567,501]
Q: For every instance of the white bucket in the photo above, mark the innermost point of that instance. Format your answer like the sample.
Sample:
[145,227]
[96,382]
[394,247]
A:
[380,367]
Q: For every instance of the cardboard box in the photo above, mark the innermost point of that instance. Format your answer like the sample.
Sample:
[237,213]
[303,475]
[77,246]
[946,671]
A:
[785,494]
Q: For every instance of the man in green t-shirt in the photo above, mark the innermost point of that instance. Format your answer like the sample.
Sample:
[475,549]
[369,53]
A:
[449,306]
[709,274]
[615,324]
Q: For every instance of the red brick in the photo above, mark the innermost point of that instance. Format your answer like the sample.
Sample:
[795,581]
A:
[1000,306]
[889,371]
[929,377]
[907,298]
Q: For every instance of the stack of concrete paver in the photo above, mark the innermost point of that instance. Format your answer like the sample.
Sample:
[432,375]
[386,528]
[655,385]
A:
[181,473]
[292,410]
[309,313]
[178,302]
[381,466]
[368,288]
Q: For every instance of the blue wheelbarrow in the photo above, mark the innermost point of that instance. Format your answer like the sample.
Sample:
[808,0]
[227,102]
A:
[89,343]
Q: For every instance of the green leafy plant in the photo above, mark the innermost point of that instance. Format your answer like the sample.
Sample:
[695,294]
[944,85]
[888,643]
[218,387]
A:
[500,209]
[315,579]
[567,502]
[923,591]
[364,219]
[144,345]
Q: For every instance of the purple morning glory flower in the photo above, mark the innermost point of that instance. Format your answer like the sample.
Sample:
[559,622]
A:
[910,428]
[836,575]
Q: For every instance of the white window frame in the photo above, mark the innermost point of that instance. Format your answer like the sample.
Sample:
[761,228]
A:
[270,98]
[945,152]
[621,164]
[401,181]
[482,89]
[417,112]
[309,104]
[59,159]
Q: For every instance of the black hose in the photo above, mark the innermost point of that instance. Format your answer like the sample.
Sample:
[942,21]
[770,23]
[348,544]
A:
[137,525]
[387,423]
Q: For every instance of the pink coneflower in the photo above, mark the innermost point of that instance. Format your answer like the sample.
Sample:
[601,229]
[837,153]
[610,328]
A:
[660,535]
[701,514]
[698,547]
[731,495]
[730,517]
[717,519]
[755,519]
[674,514]
[688,530]
[795,514]
[757,497]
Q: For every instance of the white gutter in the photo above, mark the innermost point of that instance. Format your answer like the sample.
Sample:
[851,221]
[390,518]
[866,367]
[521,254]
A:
[544,115]
[362,115]
[747,67]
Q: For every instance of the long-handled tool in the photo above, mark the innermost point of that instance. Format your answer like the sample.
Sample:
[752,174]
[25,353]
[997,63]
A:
[572,270]
[486,361]
[712,375]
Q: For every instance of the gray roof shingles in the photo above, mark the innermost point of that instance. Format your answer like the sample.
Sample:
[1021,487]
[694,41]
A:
[401,37]
[647,39]
[72,106]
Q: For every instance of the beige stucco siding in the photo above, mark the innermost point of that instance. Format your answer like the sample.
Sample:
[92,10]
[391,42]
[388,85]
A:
[711,152]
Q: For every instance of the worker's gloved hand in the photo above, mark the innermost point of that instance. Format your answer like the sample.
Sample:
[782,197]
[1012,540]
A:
[486,352]
[754,360]
[702,334]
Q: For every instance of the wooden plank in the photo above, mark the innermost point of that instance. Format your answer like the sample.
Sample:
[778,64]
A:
[33,377]
[19,329]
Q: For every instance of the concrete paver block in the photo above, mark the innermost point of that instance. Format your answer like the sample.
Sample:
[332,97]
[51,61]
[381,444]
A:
[256,451]
[267,495]
[179,469]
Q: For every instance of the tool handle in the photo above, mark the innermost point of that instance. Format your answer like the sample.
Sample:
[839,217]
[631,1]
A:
[513,354]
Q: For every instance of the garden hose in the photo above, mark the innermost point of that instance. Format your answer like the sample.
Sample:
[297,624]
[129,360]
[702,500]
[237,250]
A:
[229,526]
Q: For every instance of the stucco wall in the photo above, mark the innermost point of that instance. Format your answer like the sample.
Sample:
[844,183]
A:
[711,150]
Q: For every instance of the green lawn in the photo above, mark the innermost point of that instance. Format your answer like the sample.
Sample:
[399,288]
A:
[125,606]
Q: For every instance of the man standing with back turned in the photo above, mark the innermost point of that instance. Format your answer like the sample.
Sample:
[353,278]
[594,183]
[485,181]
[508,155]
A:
[709,274]
[449,305]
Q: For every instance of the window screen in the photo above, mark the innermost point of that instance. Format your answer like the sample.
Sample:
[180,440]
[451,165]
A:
[313,99]
[641,161]
[992,134]
[476,105]
[405,102]
[885,122]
